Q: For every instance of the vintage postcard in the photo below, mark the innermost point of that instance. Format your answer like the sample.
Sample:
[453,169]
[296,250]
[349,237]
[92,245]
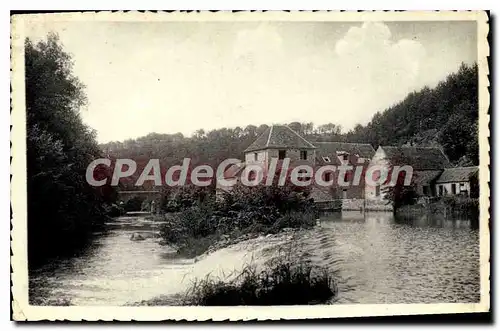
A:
[249,165]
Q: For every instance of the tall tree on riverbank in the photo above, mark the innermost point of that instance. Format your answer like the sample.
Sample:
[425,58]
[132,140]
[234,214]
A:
[62,208]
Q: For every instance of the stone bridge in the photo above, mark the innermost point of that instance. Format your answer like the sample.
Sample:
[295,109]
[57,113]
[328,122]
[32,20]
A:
[152,196]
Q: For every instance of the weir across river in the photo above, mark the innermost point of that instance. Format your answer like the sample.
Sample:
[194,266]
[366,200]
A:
[377,258]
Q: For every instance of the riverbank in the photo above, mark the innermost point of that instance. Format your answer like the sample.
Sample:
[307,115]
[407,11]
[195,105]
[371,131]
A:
[445,207]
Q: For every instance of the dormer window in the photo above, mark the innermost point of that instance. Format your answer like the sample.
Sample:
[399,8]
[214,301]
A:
[343,156]
[327,159]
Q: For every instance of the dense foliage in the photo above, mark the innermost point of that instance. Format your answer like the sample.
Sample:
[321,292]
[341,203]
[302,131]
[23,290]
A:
[62,208]
[248,210]
[445,116]
[399,194]
[281,282]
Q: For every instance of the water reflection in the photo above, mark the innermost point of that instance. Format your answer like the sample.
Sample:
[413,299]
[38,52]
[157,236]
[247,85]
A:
[436,221]
[394,260]
[378,258]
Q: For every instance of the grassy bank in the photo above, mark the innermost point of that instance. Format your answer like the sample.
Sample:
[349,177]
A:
[284,283]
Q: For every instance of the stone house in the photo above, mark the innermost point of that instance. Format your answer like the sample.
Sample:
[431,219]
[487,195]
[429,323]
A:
[458,181]
[280,142]
[427,163]
[350,154]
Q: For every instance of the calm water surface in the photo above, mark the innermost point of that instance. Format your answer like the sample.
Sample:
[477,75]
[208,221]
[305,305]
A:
[379,259]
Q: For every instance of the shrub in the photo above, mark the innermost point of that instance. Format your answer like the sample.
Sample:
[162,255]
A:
[461,205]
[183,197]
[249,210]
[283,198]
[282,283]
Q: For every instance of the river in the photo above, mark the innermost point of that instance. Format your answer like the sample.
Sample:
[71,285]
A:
[376,257]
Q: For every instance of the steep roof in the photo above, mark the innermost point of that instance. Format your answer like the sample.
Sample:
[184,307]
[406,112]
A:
[420,158]
[462,174]
[279,136]
[330,148]
[426,177]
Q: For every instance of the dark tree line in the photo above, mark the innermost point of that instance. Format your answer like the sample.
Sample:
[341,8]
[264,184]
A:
[62,208]
[445,116]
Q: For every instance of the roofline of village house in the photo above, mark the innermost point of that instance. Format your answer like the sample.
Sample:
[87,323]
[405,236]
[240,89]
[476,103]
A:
[277,147]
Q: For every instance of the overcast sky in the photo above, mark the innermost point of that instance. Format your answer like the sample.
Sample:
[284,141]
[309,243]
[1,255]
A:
[169,77]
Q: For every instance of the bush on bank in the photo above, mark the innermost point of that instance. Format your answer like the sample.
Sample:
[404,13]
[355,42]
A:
[247,210]
[461,205]
[281,283]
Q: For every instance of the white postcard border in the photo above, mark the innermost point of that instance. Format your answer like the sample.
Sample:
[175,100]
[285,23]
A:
[23,311]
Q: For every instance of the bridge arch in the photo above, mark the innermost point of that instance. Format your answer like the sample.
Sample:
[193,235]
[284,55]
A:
[135,200]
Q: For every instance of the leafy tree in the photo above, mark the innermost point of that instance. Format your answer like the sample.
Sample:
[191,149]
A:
[63,209]
[445,116]
[297,127]
[400,194]
[459,136]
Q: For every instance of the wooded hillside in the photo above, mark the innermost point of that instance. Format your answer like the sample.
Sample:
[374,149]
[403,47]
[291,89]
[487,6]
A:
[444,116]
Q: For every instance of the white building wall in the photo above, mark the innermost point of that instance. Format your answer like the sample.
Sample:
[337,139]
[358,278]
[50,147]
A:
[257,156]
[264,157]
[379,159]
[447,188]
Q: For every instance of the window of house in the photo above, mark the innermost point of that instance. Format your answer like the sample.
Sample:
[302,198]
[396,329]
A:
[440,190]
[377,190]
[256,156]
[252,175]
[326,159]
[453,188]
[346,177]
[302,175]
[425,190]
[303,155]
[328,176]
[345,157]
[281,154]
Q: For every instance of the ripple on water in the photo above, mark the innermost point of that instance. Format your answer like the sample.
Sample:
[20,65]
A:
[374,258]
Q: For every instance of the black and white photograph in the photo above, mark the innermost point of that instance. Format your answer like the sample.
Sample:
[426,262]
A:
[210,165]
